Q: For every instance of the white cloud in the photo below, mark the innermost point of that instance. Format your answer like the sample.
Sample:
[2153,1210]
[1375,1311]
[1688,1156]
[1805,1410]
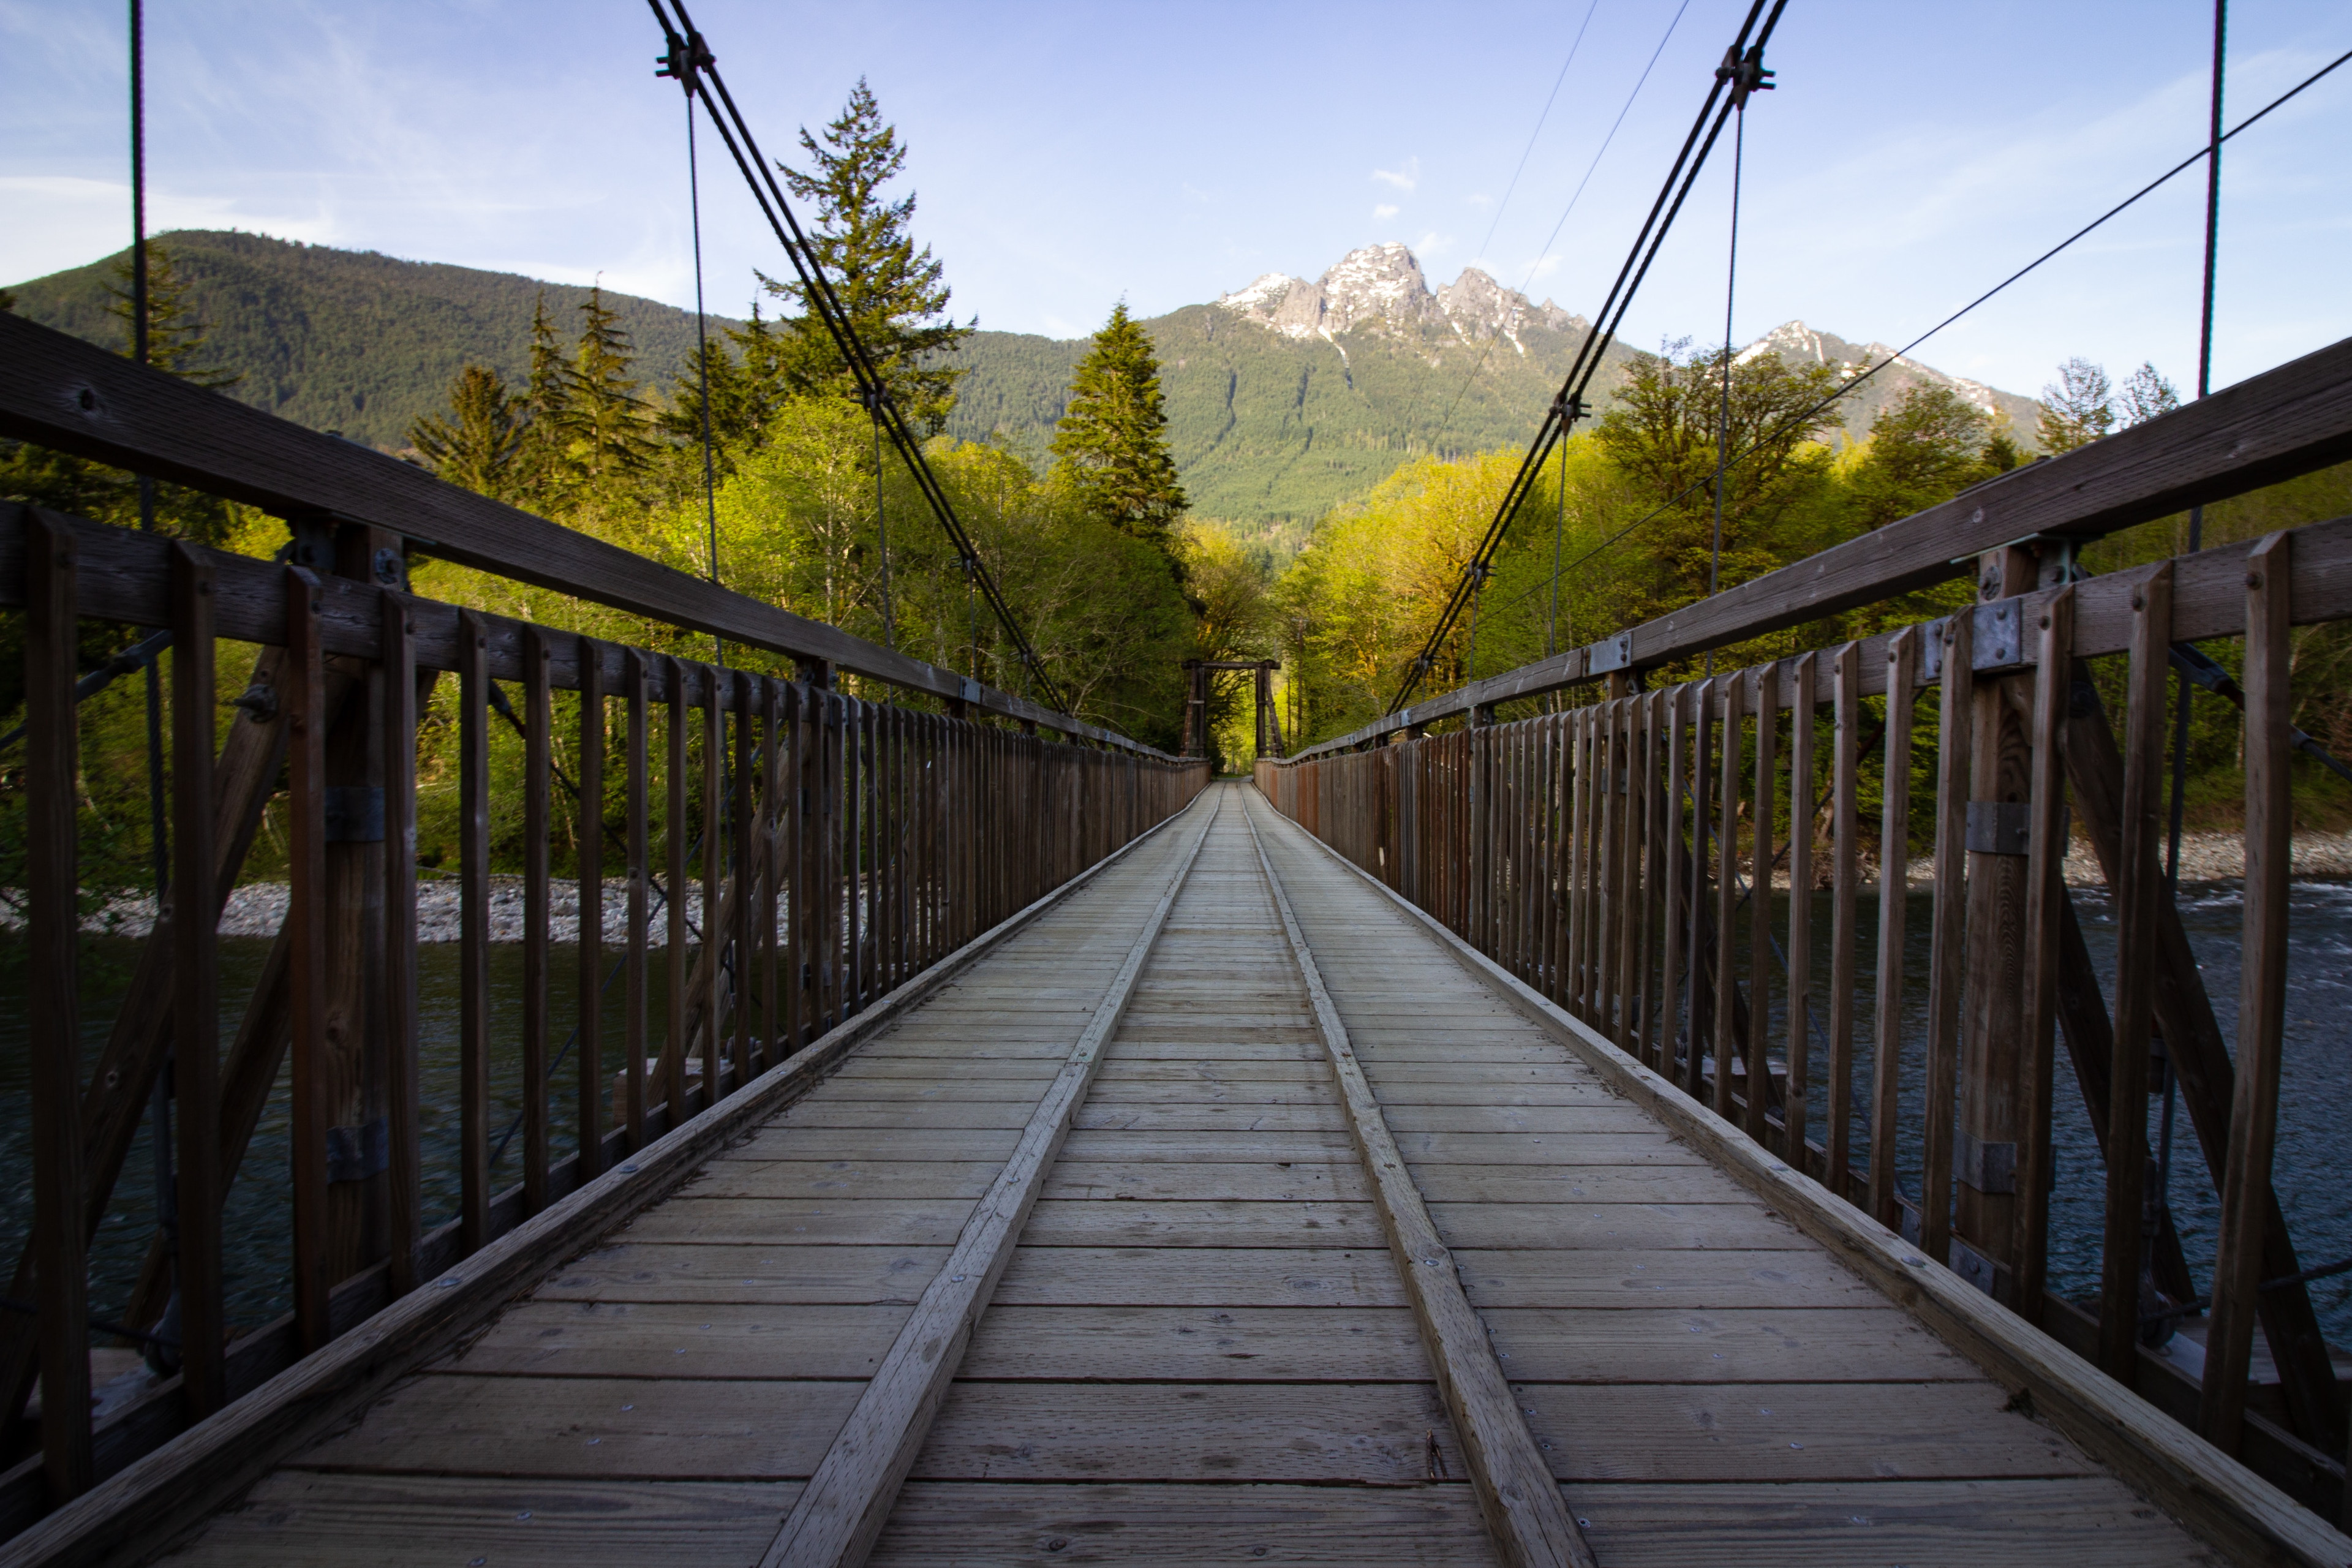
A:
[81,219]
[1384,211]
[1479,200]
[1434,244]
[1403,179]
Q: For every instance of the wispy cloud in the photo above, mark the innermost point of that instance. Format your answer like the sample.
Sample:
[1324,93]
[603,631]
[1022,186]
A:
[1384,211]
[1434,244]
[1403,179]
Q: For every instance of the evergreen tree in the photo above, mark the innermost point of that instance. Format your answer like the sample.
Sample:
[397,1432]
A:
[892,292]
[176,337]
[1112,440]
[539,460]
[746,388]
[479,444]
[2078,408]
[2146,394]
[608,441]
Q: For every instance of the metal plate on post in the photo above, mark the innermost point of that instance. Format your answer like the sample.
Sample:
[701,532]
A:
[2000,827]
[355,1154]
[1988,1167]
[355,814]
[2000,641]
[1609,654]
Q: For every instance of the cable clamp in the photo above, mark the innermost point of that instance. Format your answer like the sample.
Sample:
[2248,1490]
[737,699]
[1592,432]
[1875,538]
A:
[1745,73]
[1570,410]
[684,59]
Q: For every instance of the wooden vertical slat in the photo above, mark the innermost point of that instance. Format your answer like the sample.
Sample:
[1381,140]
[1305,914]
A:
[674,842]
[2045,889]
[304,679]
[711,1003]
[1579,870]
[2138,887]
[1893,884]
[634,1023]
[855,775]
[1678,870]
[1731,694]
[196,985]
[474,934]
[589,1050]
[793,877]
[1609,766]
[1649,862]
[1793,1102]
[1697,994]
[771,790]
[744,831]
[2261,993]
[53,1001]
[1954,743]
[537,906]
[1846,876]
[404,1117]
[1759,906]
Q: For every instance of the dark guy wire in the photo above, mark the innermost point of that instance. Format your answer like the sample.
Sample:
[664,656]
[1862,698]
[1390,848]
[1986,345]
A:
[1722,424]
[1577,194]
[702,367]
[1741,72]
[1810,416]
[689,58]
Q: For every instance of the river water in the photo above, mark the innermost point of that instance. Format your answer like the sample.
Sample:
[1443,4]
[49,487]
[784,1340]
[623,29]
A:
[2315,1117]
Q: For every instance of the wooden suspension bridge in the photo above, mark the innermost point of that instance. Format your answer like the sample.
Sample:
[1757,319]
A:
[1039,1152]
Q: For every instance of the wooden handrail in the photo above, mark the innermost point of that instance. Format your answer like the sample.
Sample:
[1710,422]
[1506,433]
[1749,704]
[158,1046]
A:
[2269,428]
[71,396]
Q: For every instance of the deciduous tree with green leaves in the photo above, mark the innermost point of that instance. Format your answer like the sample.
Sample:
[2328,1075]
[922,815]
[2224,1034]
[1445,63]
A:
[2078,408]
[1112,441]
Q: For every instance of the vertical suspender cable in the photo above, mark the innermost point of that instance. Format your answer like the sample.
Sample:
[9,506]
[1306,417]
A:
[1723,424]
[2196,542]
[159,1104]
[1559,524]
[702,360]
[873,402]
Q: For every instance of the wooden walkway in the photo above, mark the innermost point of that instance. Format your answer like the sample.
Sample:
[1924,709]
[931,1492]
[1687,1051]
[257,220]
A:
[1205,1346]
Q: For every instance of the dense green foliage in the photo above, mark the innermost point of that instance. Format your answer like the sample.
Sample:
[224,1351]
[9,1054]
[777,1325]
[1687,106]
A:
[351,342]
[1112,440]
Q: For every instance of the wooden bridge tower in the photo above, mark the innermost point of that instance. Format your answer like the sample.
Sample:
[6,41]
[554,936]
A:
[1197,672]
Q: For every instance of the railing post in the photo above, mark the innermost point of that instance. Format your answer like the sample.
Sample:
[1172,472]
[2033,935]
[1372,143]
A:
[304,693]
[196,987]
[53,1008]
[2262,995]
[1994,1050]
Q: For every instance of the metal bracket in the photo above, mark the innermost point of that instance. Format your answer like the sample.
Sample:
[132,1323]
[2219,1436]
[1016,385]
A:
[355,1154]
[2000,642]
[355,814]
[2000,827]
[1988,1167]
[1609,654]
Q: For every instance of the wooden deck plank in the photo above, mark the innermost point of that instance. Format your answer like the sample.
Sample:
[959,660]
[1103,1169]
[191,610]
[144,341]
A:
[1360,1434]
[963,1523]
[1791,1432]
[435,1522]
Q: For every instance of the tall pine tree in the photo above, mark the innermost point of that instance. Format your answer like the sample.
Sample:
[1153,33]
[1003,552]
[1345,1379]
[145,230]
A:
[479,444]
[175,335]
[1112,440]
[892,292]
[609,443]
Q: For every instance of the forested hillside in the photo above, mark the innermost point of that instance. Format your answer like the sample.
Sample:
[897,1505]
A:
[349,341]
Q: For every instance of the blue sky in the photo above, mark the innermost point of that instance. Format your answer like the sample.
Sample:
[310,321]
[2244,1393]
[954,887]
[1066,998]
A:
[1069,154]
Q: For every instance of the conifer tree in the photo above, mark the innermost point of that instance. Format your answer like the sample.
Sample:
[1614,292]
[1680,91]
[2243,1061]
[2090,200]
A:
[608,439]
[176,336]
[2146,394]
[1112,440]
[2076,409]
[538,458]
[892,292]
[479,444]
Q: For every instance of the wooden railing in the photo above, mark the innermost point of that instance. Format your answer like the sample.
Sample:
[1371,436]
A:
[1618,856]
[786,854]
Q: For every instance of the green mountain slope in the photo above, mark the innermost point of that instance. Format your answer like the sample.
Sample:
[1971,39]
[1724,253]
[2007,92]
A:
[349,341]
[1284,399]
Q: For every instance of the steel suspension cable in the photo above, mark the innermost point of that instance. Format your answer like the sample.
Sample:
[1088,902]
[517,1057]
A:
[1808,417]
[1742,71]
[702,363]
[1722,424]
[689,56]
